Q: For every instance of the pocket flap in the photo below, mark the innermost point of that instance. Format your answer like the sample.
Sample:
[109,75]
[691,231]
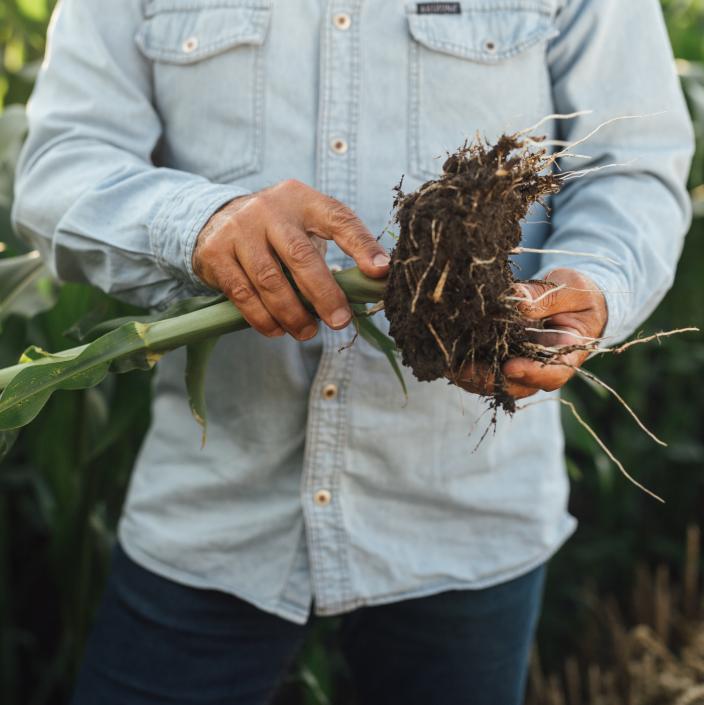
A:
[482,31]
[184,36]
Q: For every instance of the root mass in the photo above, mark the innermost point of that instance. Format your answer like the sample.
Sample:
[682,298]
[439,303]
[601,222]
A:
[451,293]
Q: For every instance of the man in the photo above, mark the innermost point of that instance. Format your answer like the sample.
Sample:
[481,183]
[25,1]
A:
[180,146]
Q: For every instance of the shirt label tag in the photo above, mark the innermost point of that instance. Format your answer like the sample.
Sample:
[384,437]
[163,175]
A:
[439,8]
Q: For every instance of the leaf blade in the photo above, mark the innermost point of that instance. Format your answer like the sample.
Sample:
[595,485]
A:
[366,328]
[197,358]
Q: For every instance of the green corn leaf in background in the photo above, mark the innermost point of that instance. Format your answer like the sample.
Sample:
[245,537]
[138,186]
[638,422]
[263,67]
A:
[92,325]
[26,287]
[13,128]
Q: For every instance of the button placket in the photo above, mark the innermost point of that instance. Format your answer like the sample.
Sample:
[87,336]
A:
[327,417]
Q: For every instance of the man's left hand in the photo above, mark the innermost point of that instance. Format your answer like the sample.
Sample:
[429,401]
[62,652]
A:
[567,302]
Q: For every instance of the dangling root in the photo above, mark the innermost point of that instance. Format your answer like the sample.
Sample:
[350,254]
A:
[650,338]
[601,443]
[591,376]
[536,250]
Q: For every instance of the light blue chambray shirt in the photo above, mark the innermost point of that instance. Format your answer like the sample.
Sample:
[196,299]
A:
[318,486]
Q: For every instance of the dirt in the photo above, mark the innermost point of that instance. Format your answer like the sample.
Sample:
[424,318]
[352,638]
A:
[450,270]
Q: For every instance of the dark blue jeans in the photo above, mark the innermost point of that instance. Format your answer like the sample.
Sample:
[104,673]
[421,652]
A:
[156,641]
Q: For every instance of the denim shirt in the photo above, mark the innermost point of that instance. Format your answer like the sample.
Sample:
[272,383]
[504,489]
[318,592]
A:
[319,486]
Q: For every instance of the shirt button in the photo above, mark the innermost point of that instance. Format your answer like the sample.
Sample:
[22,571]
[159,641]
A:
[329,391]
[322,498]
[189,45]
[335,268]
[339,146]
[342,21]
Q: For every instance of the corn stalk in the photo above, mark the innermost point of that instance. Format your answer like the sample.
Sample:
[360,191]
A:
[139,343]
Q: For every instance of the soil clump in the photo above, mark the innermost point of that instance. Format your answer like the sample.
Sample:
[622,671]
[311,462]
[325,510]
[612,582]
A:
[451,280]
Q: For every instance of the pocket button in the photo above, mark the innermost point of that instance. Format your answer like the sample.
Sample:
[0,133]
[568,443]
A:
[189,45]
[342,21]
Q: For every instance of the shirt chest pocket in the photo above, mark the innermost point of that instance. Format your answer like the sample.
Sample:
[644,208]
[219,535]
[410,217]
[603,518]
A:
[480,70]
[208,74]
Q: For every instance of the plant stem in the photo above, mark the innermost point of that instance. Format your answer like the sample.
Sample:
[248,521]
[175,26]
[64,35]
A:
[216,320]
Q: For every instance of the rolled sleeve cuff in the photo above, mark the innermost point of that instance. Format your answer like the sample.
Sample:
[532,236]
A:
[178,222]
[613,286]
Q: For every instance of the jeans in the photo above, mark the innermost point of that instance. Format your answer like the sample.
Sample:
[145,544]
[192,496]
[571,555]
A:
[157,641]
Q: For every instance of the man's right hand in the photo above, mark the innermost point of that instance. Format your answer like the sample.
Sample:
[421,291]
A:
[241,248]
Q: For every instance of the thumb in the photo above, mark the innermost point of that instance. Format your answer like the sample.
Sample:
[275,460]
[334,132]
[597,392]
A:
[541,299]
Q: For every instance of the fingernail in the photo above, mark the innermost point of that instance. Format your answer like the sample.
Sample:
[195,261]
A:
[277,332]
[340,318]
[308,332]
[517,375]
[381,260]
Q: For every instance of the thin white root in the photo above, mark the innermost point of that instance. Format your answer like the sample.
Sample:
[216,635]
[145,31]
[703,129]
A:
[554,116]
[546,143]
[592,377]
[535,250]
[572,175]
[601,443]
[436,239]
[538,299]
[441,345]
[557,155]
[378,306]
[639,341]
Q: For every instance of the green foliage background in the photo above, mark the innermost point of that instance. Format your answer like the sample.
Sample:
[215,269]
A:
[62,487]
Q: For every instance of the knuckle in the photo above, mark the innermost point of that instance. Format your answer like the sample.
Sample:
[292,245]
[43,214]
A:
[259,209]
[208,249]
[302,252]
[331,297]
[269,277]
[235,289]
[290,186]
[339,215]
[240,293]
[362,241]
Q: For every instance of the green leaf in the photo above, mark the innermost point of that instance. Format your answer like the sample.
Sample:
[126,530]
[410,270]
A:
[7,440]
[30,389]
[13,127]
[197,357]
[91,327]
[25,286]
[366,328]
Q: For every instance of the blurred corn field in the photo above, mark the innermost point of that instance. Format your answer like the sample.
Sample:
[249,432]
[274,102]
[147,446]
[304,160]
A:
[623,622]
[659,661]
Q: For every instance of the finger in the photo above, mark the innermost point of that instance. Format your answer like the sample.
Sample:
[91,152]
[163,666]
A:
[235,284]
[561,292]
[548,376]
[517,391]
[275,291]
[311,274]
[479,379]
[332,220]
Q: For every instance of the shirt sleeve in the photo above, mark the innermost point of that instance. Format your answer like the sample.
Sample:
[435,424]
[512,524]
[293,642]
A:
[615,59]
[88,195]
